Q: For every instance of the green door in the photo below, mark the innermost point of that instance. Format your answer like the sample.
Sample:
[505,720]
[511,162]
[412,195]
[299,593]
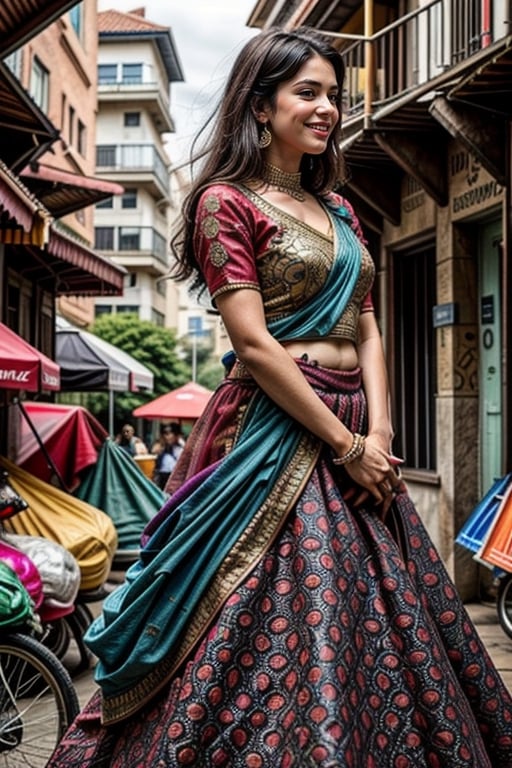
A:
[490,353]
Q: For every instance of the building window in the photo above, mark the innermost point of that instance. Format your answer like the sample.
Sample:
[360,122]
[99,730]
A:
[71,125]
[415,363]
[102,309]
[132,119]
[104,238]
[39,84]
[76,17]
[107,74]
[108,203]
[157,317]
[13,61]
[130,280]
[132,73]
[81,138]
[131,309]
[129,238]
[129,198]
[106,155]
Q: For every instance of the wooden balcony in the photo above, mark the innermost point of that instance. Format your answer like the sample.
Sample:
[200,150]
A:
[437,72]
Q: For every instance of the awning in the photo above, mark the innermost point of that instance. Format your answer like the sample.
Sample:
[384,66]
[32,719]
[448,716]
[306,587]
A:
[89,363]
[22,217]
[187,402]
[80,270]
[27,133]
[62,192]
[70,434]
[22,366]
[20,21]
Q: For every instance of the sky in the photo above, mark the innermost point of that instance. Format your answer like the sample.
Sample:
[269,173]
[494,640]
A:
[208,35]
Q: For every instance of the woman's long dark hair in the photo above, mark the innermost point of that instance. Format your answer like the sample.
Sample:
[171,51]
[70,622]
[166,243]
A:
[233,153]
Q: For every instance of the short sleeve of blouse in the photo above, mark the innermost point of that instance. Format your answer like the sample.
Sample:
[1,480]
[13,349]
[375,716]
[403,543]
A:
[223,240]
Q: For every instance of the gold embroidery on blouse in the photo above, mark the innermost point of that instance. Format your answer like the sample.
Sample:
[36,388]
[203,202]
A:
[217,254]
[210,227]
[212,203]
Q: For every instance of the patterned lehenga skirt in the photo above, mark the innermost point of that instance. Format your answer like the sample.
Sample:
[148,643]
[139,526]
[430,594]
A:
[345,646]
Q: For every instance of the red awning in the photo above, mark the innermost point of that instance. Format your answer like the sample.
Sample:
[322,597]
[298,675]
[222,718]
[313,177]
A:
[63,192]
[187,402]
[70,434]
[22,366]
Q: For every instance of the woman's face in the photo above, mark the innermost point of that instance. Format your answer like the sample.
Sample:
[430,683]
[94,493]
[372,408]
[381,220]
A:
[305,114]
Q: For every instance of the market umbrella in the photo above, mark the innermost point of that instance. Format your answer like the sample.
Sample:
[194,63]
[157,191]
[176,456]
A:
[90,364]
[187,402]
[70,434]
[22,366]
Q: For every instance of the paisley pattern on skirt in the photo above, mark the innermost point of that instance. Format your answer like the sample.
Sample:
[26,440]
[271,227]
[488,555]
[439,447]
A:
[346,646]
[334,653]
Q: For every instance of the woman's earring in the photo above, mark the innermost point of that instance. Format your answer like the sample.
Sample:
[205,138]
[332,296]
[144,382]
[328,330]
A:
[265,138]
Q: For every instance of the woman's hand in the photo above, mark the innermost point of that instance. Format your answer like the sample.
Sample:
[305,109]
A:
[375,471]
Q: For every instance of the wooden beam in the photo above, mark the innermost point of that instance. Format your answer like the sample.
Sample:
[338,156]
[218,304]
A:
[380,189]
[482,133]
[422,155]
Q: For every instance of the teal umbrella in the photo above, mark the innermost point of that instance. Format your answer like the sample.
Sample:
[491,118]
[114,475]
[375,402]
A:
[117,486]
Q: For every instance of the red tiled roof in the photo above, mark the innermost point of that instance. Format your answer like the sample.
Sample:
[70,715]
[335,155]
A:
[115,21]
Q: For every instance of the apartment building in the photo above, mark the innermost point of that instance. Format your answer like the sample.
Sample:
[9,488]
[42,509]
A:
[57,68]
[137,62]
[427,142]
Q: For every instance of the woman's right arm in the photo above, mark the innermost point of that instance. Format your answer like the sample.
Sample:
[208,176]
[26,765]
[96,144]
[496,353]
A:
[278,375]
[274,369]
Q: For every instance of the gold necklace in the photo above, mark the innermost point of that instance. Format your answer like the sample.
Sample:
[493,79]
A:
[289,183]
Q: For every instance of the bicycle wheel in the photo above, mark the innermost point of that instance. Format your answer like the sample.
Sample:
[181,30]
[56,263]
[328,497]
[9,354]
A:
[504,604]
[37,702]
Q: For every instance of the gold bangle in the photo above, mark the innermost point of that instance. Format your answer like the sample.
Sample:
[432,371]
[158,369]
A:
[354,452]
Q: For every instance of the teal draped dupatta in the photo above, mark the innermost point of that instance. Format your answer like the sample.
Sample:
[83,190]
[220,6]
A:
[214,520]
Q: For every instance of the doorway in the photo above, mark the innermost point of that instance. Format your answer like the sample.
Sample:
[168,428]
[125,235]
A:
[490,353]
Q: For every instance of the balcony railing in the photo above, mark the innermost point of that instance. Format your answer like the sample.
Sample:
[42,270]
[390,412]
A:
[412,50]
[141,240]
[134,158]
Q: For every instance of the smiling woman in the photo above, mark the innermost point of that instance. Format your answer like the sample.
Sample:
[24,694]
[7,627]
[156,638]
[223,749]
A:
[288,608]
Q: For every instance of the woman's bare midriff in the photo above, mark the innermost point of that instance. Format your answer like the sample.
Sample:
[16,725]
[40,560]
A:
[340,354]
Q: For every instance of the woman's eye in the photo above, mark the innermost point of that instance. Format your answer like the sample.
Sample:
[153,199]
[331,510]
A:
[308,94]
[333,98]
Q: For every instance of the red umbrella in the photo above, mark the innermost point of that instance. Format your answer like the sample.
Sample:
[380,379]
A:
[70,435]
[187,402]
[22,366]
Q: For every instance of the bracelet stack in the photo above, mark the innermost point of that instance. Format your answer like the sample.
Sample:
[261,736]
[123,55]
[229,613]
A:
[354,452]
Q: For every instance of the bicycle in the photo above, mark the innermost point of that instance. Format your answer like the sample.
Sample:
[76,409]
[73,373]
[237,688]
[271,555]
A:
[37,697]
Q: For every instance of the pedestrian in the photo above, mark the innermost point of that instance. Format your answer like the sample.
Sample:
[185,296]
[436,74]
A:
[128,441]
[167,451]
[288,608]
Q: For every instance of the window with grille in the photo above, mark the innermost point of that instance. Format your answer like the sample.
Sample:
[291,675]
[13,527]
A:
[107,74]
[415,363]
[129,198]
[132,73]
[104,238]
[106,155]
[39,84]
[129,239]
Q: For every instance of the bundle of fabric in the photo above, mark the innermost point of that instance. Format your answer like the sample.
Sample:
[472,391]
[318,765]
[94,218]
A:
[116,485]
[85,531]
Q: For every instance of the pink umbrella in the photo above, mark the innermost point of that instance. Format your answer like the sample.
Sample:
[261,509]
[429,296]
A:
[187,402]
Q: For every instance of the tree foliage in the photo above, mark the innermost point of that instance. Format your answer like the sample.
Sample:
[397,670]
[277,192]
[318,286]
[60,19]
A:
[150,344]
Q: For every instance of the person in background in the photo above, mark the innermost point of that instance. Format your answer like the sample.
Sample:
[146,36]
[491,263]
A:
[289,609]
[129,442]
[167,449]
